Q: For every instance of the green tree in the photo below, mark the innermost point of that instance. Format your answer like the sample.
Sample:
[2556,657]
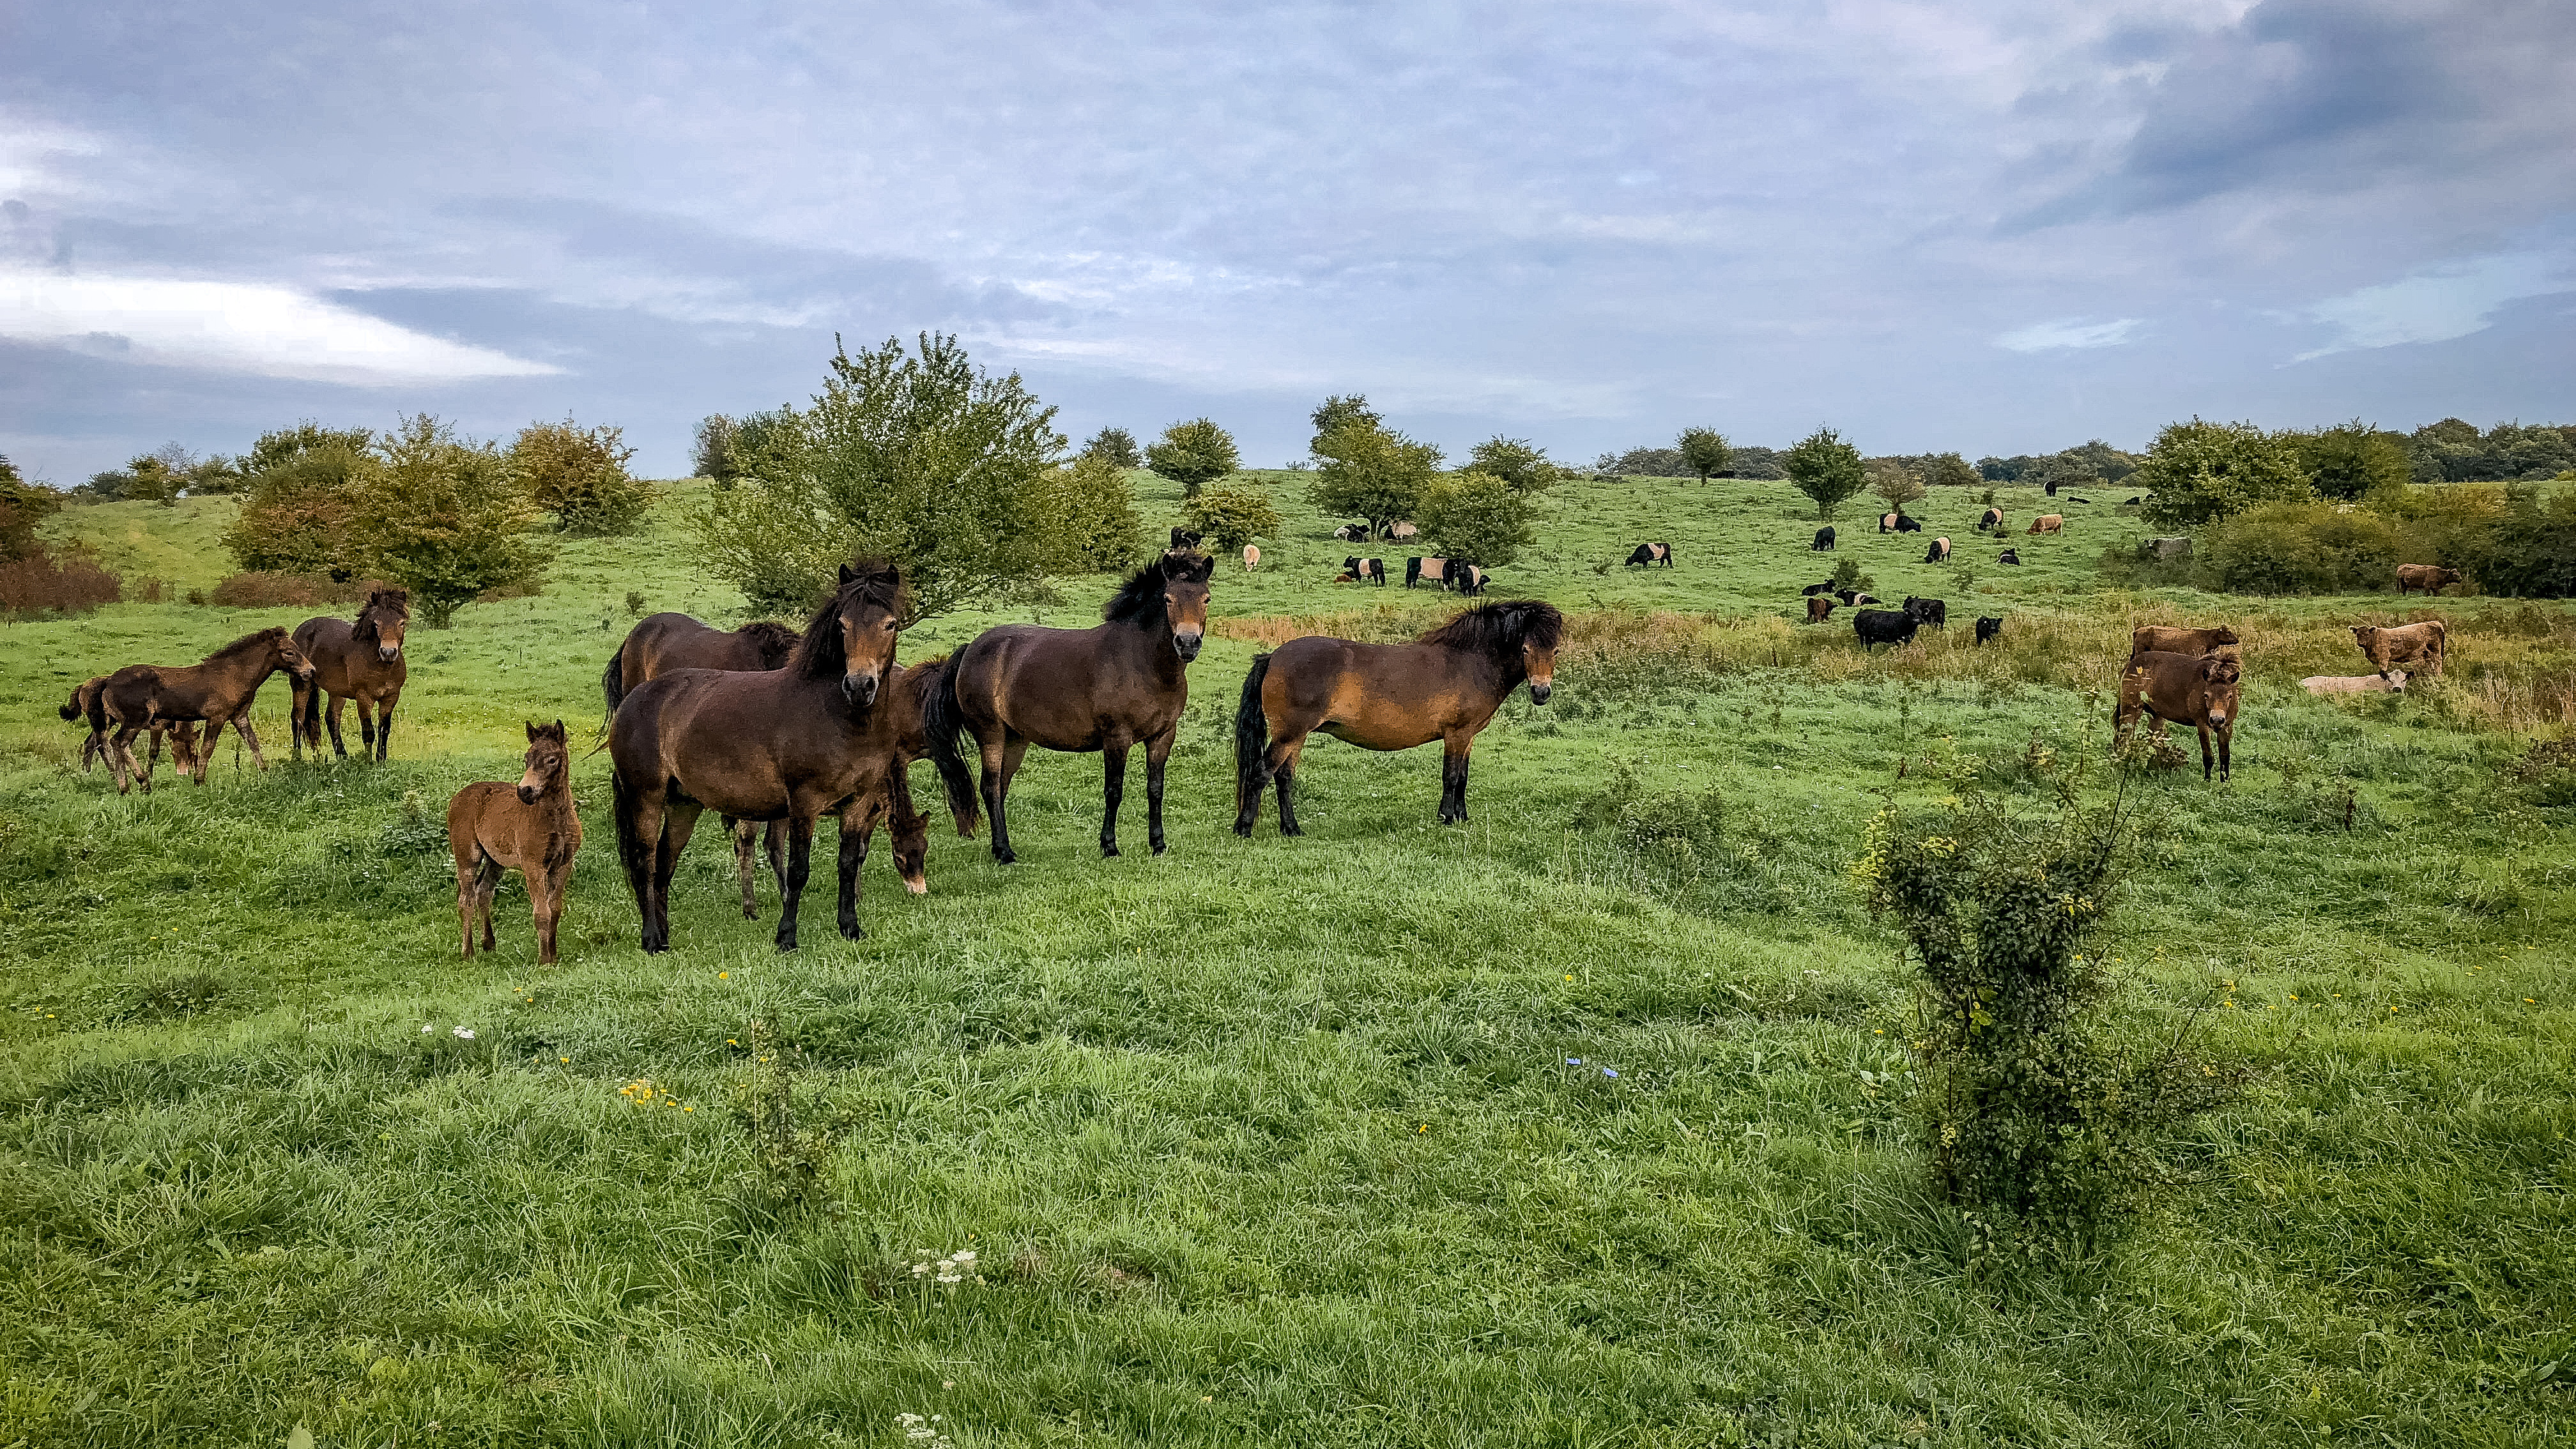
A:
[2355,460]
[2533,554]
[1949,470]
[2202,472]
[279,445]
[1523,467]
[916,455]
[1336,411]
[1229,518]
[296,516]
[1364,468]
[1193,454]
[1826,469]
[579,475]
[1091,512]
[1894,482]
[1117,445]
[1476,517]
[445,518]
[23,505]
[1703,452]
[712,454]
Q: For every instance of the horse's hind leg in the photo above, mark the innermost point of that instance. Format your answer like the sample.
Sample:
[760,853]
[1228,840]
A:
[468,892]
[679,818]
[331,715]
[639,834]
[1113,788]
[299,701]
[746,862]
[120,757]
[1001,760]
[487,889]
[1283,771]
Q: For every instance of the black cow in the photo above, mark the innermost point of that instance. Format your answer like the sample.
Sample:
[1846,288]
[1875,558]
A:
[1362,570]
[1991,627]
[1992,518]
[1352,533]
[2071,498]
[1824,539]
[2052,490]
[1884,626]
[1907,525]
[1853,597]
[1652,553]
[1812,590]
[2011,556]
[1934,612]
[1182,538]
[1469,578]
[2134,502]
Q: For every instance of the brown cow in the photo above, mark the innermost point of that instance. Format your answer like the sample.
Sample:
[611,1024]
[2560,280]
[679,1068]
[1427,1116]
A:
[2179,688]
[2194,642]
[2431,578]
[2048,523]
[1819,608]
[2423,644]
[1251,558]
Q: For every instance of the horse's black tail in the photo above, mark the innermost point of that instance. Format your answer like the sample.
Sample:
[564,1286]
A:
[942,721]
[612,681]
[75,707]
[1251,738]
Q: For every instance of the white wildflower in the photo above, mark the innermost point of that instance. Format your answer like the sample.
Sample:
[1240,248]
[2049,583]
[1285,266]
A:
[462,1033]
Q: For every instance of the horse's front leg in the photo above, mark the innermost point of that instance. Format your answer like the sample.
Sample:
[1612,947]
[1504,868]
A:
[299,698]
[1157,751]
[385,723]
[791,892]
[858,826]
[250,737]
[1453,778]
[1113,788]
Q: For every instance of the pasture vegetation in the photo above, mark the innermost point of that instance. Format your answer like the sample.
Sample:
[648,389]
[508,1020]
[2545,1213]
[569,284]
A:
[1589,1122]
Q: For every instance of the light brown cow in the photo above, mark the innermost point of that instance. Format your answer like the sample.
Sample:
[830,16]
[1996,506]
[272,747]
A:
[1251,558]
[1819,608]
[2049,523]
[2199,692]
[2165,639]
[2431,578]
[2425,643]
[2353,683]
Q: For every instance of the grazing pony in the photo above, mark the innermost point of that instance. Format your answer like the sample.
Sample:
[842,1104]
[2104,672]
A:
[1362,570]
[1651,553]
[1824,539]
[84,705]
[1434,569]
[1443,686]
[362,662]
[217,691]
[2200,692]
[530,827]
[1108,688]
[795,743]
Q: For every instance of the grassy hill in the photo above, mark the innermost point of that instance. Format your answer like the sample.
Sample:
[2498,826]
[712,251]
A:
[1292,1141]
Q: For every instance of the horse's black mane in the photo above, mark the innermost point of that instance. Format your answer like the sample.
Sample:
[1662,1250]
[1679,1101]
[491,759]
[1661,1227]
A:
[1140,599]
[398,600]
[775,641]
[1500,629]
[870,581]
[246,644]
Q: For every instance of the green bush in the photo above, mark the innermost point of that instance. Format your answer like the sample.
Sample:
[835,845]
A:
[1229,518]
[2533,550]
[2200,472]
[2302,548]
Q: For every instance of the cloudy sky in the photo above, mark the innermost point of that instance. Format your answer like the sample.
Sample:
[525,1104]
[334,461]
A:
[1983,225]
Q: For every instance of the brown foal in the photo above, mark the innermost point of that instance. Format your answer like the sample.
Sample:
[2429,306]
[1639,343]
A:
[217,691]
[530,827]
[85,703]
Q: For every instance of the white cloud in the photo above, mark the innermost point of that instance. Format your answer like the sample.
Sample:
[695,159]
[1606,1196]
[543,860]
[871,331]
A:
[238,327]
[2071,332]
[2437,305]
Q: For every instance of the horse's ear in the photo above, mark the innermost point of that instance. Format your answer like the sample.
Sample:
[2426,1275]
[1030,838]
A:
[1198,572]
[559,731]
[846,575]
[532,732]
[890,575]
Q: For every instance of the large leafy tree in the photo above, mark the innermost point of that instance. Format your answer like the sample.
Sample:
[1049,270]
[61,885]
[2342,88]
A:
[1703,452]
[1523,466]
[1336,411]
[297,514]
[1093,526]
[1475,517]
[445,518]
[1367,469]
[281,445]
[2203,471]
[579,475]
[1826,469]
[1894,482]
[916,454]
[1193,454]
[2355,460]
[712,454]
[1117,446]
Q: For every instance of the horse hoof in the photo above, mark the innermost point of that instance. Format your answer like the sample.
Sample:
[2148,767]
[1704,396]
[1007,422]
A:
[1107,850]
[1005,857]
[1158,847]
[1243,828]
[1291,830]
[853,933]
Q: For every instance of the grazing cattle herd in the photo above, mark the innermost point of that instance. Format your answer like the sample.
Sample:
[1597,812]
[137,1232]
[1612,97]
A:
[776,729]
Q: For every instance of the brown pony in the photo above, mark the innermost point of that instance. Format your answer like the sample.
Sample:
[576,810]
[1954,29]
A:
[1443,686]
[361,661]
[796,743]
[84,704]
[218,690]
[666,642]
[530,827]
[1107,688]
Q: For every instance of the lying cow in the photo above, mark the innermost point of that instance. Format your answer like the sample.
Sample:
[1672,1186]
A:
[2011,556]
[1934,612]
[1812,590]
[1649,554]
[1883,626]
[2049,523]
[1824,539]
[2424,644]
[1820,607]
[1352,533]
[2431,578]
[2353,683]
[1990,627]
[2181,689]
[1183,540]
[1939,552]
[1853,598]
[2194,642]
[1362,570]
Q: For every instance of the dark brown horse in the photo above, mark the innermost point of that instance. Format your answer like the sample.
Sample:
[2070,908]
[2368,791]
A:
[361,661]
[1443,686]
[666,642]
[1108,688]
[791,744]
[530,827]
[84,705]
[218,691]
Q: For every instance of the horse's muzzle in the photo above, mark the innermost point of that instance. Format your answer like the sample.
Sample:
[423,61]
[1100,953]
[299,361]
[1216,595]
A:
[387,653]
[1187,645]
[527,796]
[859,689]
[1540,692]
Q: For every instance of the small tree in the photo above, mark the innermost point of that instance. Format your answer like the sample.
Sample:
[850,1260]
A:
[712,455]
[1364,468]
[1523,467]
[1703,452]
[23,505]
[1336,412]
[1193,454]
[2354,461]
[1894,482]
[2202,472]
[1949,470]
[1091,515]
[1475,517]
[296,517]
[579,475]
[445,519]
[1826,469]
[1115,445]
[921,457]
[1229,518]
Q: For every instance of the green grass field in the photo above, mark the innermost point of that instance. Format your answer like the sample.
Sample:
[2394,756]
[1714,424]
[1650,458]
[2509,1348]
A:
[1286,1141]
